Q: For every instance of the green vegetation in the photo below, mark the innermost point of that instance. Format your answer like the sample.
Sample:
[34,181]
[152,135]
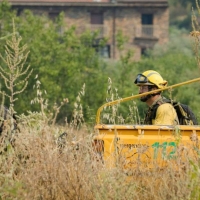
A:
[181,12]
[64,61]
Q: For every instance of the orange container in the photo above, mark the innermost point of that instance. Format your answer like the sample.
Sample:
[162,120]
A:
[146,145]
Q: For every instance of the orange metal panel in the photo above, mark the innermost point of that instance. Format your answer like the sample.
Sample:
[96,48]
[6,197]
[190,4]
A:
[145,145]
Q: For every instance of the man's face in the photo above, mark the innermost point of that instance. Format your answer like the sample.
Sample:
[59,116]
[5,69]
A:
[143,89]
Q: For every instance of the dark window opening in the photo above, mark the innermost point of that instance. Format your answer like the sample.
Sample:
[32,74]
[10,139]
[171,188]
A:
[19,12]
[103,51]
[147,25]
[96,18]
[147,19]
[144,51]
[53,15]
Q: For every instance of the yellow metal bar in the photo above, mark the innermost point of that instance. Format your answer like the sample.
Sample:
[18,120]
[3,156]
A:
[138,96]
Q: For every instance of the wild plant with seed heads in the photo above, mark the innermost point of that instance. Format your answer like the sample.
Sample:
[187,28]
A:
[14,71]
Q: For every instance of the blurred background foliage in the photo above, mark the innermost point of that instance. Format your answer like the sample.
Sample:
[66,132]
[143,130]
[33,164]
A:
[181,12]
[64,62]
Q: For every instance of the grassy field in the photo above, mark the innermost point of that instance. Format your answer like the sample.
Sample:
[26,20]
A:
[36,163]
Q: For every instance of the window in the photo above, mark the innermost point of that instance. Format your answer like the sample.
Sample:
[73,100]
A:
[104,51]
[19,12]
[147,19]
[147,25]
[144,51]
[96,18]
[53,15]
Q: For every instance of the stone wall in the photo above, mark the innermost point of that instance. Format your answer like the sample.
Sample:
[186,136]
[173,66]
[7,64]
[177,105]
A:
[117,18]
[126,20]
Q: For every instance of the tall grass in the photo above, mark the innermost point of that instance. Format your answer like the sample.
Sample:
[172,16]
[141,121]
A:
[35,166]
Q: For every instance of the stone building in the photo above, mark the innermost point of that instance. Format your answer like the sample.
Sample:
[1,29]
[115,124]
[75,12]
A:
[143,22]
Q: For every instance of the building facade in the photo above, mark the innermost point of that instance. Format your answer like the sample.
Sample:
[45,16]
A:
[143,22]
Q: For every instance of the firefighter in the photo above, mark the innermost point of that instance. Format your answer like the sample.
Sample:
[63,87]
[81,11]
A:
[159,112]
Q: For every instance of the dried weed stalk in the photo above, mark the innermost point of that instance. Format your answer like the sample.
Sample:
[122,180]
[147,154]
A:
[14,71]
[196,33]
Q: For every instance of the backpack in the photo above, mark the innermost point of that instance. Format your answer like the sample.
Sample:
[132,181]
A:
[184,113]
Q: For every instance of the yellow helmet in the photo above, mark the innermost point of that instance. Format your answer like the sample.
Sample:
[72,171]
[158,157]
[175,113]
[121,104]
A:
[150,77]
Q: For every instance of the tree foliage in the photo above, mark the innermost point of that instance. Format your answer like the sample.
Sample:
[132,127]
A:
[181,12]
[63,60]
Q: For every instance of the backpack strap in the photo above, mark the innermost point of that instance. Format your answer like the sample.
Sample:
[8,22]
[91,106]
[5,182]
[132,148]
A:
[151,112]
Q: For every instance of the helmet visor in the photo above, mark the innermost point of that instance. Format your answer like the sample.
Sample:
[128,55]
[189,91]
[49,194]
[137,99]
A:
[143,80]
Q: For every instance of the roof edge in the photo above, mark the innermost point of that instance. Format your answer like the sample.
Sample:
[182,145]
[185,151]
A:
[145,3]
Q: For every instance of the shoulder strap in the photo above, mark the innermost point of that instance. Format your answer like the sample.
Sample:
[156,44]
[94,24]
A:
[158,103]
[151,113]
